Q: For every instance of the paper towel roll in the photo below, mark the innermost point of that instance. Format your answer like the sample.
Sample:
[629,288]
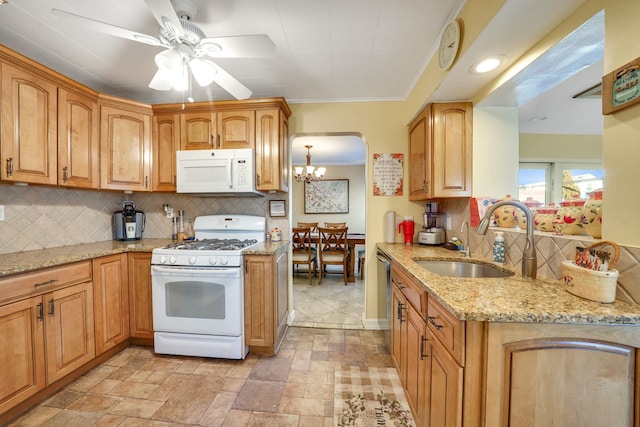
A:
[390,224]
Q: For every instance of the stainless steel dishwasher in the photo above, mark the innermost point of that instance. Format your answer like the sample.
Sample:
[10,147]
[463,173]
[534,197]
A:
[384,289]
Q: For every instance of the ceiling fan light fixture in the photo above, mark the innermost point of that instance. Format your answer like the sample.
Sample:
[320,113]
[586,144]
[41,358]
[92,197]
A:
[169,59]
[203,71]
[161,80]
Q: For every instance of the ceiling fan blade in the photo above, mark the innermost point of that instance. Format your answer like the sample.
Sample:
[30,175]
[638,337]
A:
[253,46]
[166,15]
[105,28]
[231,85]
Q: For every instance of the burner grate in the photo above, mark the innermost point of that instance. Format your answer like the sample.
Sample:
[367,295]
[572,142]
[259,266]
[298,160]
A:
[213,244]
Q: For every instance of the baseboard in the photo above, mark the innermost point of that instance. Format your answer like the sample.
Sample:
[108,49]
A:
[375,324]
[291,317]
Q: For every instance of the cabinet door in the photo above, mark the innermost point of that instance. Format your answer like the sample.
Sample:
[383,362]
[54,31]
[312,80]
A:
[78,145]
[110,301]
[140,311]
[198,131]
[561,375]
[417,363]
[419,157]
[443,406]
[271,150]
[21,351]
[166,141]
[28,127]
[125,142]
[68,329]
[452,140]
[259,300]
[398,320]
[236,129]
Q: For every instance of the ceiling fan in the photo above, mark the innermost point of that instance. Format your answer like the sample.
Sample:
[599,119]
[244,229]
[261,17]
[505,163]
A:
[187,47]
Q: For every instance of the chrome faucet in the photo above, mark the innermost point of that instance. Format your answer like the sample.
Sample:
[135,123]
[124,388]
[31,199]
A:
[529,261]
[466,251]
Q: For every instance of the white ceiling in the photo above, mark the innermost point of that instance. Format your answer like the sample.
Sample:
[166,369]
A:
[326,50]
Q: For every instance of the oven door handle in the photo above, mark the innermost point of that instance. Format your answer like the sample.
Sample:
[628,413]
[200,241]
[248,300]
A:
[168,271]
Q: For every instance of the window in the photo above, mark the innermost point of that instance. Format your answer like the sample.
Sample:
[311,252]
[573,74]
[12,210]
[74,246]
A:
[554,182]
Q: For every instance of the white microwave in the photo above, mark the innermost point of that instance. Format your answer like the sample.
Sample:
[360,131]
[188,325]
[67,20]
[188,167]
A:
[215,171]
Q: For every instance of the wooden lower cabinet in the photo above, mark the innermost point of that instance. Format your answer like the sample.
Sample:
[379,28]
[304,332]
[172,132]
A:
[265,302]
[110,301]
[563,375]
[473,373]
[42,339]
[140,311]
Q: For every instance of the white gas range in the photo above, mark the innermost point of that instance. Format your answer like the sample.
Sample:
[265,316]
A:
[198,288]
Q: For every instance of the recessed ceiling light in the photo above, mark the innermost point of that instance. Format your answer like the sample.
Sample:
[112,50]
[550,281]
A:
[488,64]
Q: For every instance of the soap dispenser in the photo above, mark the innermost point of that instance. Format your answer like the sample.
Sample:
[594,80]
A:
[498,248]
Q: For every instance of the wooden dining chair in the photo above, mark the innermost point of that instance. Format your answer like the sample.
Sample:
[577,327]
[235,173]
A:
[303,250]
[333,250]
[335,224]
[312,225]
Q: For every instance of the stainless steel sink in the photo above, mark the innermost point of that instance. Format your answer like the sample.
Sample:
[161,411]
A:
[462,269]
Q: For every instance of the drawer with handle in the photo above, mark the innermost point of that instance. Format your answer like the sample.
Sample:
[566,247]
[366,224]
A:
[447,328]
[44,280]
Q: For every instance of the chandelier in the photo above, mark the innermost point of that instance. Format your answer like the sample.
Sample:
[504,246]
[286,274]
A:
[309,173]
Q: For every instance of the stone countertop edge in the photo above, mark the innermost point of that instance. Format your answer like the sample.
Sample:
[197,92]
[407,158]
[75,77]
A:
[512,299]
[26,261]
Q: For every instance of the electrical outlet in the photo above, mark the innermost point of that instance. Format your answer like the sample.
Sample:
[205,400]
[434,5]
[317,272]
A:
[448,223]
[1,213]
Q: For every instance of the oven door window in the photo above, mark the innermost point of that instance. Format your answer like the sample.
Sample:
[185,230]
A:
[195,300]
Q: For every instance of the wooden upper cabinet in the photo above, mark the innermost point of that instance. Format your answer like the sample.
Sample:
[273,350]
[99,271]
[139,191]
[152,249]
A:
[166,141]
[272,150]
[78,143]
[236,129]
[125,148]
[198,131]
[452,149]
[419,156]
[28,127]
[440,151]
[206,130]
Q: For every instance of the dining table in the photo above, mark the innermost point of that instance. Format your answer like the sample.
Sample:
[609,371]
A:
[353,239]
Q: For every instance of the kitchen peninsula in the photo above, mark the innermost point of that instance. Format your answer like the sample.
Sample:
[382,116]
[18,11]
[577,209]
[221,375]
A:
[509,348]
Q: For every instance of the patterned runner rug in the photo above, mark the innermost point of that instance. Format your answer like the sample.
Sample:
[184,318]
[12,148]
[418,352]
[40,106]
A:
[369,396]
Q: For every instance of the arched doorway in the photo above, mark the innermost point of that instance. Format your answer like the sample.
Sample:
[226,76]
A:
[344,156]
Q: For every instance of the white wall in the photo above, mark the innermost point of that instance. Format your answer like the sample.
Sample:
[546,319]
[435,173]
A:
[495,152]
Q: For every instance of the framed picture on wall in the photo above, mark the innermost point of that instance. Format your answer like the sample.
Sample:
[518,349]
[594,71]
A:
[329,196]
[277,208]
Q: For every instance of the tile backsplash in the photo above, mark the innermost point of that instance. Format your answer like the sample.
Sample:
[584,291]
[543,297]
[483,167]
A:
[47,217]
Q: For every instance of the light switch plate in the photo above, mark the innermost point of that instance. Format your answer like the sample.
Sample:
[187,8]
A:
[1,213]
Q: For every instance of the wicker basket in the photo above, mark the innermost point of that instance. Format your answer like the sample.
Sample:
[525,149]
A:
[599,286]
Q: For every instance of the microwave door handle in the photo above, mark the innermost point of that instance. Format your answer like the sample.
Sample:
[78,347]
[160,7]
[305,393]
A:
[230,174]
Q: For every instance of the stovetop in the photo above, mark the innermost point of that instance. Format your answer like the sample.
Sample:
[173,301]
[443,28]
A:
[212,244]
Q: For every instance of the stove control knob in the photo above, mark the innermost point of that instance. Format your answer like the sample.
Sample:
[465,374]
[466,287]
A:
[224,260]
[163,259]
[172,259]
[192,260]
[213,260]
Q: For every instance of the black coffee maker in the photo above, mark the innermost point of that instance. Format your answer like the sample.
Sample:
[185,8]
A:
[128,224]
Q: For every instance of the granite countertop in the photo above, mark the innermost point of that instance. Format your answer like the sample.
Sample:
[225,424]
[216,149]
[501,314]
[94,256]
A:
[512,299]
[23,262]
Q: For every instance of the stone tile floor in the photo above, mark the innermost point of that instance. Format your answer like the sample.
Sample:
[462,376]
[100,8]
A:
[138,388]
[330,305]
